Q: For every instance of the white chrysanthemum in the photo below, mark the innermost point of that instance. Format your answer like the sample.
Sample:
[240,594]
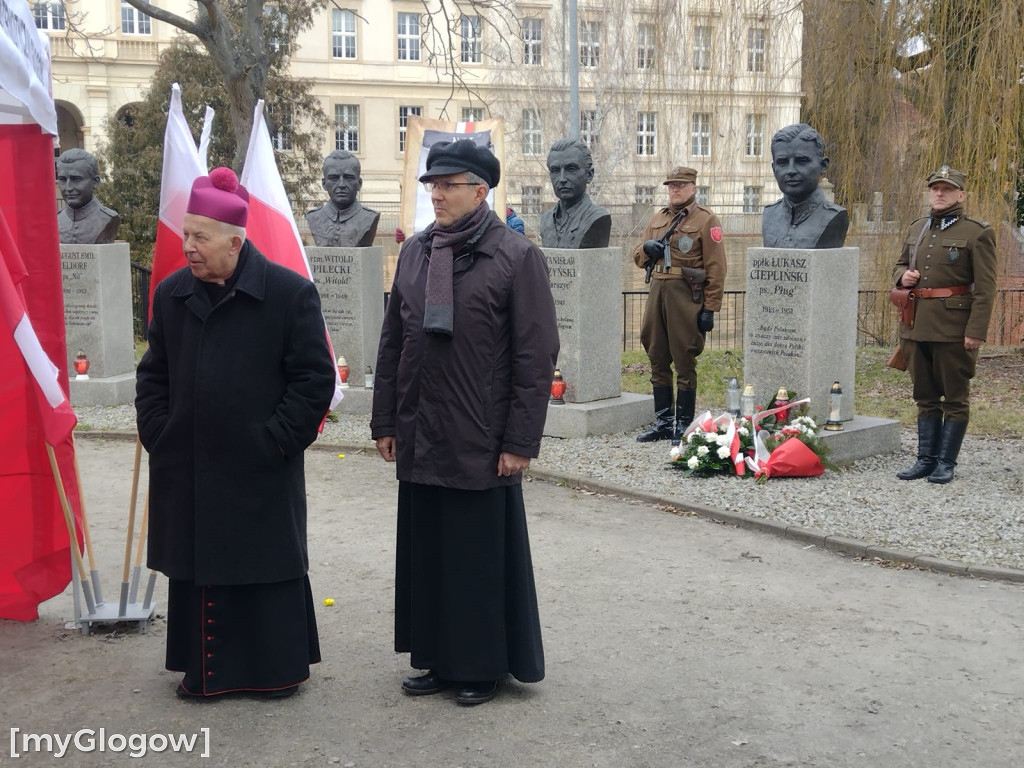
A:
[723,452]
[693,462]
[743,431]
[723,439]
[675,453]
[703,451]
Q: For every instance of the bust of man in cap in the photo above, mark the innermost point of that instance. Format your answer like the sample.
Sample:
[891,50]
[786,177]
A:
[83,219]
[575,222]
[342,222]
[803,218]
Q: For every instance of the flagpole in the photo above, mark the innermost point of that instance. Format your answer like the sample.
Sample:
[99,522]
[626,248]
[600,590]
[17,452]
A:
[122,606]
[76,553]
[86,534]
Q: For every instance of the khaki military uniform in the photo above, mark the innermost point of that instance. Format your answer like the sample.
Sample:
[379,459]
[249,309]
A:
[955,250]
[669,330]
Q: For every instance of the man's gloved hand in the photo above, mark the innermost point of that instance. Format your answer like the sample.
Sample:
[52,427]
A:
[654,249]
[705,320]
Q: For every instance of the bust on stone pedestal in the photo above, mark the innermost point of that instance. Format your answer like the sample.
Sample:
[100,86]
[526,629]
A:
[342,222]
[803,218]
[83,219]
[575,222]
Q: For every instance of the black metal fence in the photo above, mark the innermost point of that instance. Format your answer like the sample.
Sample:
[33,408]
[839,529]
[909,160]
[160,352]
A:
[140,299]
[876,320]
[876,317]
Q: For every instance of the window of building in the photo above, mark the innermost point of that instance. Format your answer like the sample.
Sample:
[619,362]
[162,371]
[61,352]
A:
[280,123]
[275,25]
[404,113]
[472,37]
[533,142]
[591,33]
[472,114]
[134,21]
[49,16]
[532,39]
[752,199]
[755,135]
[645,46]
[645,195]
[408,37]
[756,39]
[702,195]
[702,37]
[346,127]
[589,128]
[647,133]
[343,34]
[531,200]
[700,135]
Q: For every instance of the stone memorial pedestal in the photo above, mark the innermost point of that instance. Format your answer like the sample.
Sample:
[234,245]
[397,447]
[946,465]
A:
[800,332]
[586,288]
[98,320]
[351,286]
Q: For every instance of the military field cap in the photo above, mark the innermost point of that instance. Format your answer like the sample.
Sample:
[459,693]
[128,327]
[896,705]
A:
[219,196]
[681,174]
[948,175]
[447,158]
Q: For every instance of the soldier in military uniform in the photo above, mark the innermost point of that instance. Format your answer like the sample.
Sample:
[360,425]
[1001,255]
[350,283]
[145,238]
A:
[83,219]
[342,222]
[685,294]
[803,218]
[949,262]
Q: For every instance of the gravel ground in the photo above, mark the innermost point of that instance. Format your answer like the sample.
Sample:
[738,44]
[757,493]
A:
[977,519]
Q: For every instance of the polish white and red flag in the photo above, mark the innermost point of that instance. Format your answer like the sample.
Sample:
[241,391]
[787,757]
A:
[181,167]
[56,415]
[271,225]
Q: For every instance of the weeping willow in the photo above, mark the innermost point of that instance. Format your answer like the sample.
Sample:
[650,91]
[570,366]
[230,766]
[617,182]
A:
[900,88]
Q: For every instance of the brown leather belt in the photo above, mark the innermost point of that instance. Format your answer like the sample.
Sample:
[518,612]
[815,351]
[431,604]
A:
[662,269]
[939,293]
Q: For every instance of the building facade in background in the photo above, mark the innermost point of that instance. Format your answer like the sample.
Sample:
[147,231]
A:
[703,83]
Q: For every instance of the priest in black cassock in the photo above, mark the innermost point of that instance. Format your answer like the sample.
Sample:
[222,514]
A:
[233,387]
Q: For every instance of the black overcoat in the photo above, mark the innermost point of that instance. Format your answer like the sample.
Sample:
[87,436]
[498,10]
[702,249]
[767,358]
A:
[227,399]
[455,403]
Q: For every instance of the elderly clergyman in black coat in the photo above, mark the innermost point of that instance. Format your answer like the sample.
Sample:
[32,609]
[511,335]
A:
[464,368]
[234,384]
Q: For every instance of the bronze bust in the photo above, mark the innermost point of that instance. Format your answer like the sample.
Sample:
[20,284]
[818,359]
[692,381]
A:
[83,219]
[575,222]
[342,222]
[803,218]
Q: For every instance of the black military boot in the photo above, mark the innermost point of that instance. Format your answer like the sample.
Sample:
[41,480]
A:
[949,448]
[928,430]
[686,402]
[662,429]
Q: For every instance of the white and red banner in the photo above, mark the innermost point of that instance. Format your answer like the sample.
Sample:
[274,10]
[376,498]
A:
[271,226]
[35,557]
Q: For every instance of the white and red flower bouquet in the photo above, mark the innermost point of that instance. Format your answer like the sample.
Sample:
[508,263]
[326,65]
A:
[741,446]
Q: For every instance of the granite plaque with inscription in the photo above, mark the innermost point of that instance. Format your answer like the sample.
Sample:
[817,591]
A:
[588,305]
[800,324]
[351,286]
[98,307]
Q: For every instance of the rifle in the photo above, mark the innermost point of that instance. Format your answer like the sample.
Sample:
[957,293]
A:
[660,248]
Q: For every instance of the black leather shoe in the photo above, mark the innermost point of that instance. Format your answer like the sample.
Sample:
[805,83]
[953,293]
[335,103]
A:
[471,694]
[424,685]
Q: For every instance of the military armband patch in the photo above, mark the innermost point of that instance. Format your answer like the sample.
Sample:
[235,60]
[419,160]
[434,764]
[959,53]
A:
[716,234]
